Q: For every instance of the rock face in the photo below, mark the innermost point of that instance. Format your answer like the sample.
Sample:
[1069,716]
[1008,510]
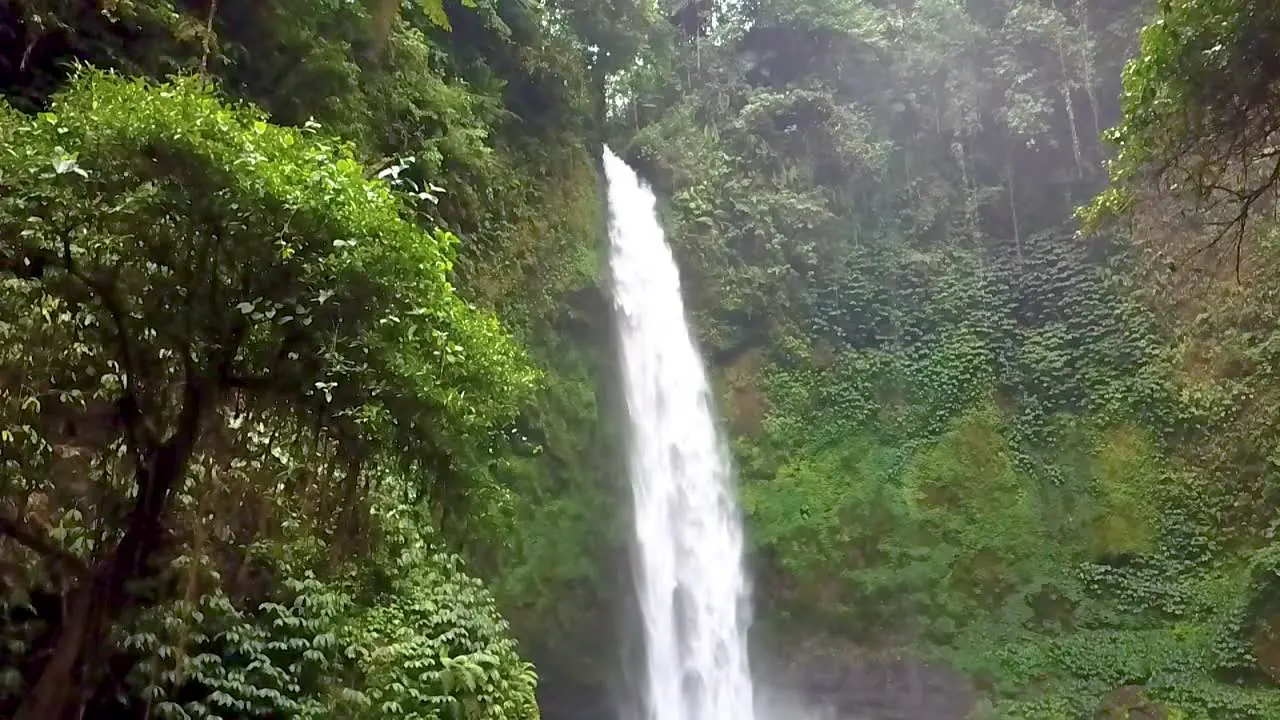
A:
[1266,645]
[822,682]
[817,680]
[564,701]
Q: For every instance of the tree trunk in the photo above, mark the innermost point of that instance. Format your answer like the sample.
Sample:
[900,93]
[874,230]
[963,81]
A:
[102,597]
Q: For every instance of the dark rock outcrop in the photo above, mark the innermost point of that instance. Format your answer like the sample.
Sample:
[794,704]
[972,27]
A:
[833,682]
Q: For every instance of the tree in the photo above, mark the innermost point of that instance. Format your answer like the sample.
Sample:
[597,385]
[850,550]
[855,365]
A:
[1198,120]
[171,261]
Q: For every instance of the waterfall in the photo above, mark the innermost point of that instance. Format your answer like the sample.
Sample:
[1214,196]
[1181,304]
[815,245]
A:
[693,592]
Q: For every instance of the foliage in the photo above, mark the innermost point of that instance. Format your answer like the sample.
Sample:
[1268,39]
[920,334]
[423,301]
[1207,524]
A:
[416,638]
[1196,120]
[478,116]
[966,433]
[432,642]
[249,664]
[977,436]
[180,268]
[285,236]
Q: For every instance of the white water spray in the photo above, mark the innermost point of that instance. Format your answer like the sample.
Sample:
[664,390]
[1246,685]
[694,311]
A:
[692,588]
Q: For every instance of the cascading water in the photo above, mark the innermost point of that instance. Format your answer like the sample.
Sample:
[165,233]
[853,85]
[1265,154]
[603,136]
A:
[692,589]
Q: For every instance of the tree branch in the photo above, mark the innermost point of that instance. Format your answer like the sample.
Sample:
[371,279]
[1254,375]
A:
[28,537]
[32,263]
[137,434]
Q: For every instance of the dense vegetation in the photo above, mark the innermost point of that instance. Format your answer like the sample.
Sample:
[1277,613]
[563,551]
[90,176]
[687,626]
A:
[305,387]
[256,399]
[967,432]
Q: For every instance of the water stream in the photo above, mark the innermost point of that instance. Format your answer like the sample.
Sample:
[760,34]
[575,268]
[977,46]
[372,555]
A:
[692,589]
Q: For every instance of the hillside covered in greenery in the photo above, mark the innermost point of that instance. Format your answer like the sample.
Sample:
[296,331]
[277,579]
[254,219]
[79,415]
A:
[307,389]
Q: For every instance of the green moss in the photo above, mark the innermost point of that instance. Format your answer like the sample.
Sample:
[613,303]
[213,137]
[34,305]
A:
[1127,476]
